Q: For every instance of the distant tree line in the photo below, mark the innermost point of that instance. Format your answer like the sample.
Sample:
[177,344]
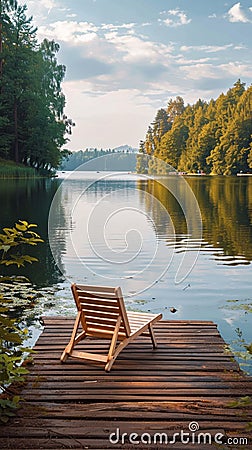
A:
[112,160]
[212,137]
[32,121]
[76,159]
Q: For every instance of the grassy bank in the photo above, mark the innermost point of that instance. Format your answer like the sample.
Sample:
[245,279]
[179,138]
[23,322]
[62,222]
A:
[9,169]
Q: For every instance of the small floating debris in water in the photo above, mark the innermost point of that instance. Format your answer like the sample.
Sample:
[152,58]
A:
[172,309]
[186,287]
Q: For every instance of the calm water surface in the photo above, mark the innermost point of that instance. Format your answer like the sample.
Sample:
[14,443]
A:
[167,243]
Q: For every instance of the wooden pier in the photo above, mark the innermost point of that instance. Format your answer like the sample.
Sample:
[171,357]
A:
[190,383]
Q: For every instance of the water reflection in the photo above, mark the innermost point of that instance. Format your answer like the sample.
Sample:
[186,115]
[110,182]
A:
[112,236]
[30,200]
[226,210]
[225,205]
[222,271]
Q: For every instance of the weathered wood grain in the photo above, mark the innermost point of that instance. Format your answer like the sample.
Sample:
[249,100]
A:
[190,377]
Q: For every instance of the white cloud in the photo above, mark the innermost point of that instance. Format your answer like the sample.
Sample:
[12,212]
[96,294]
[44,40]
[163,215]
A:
[36,7]
[111,56]
[40,10]
[134,48]
[206,48]
[175,18]
[107,42]
[222,71]
[69,31]
[236,14]
[180,60]
[112,27]
[48,3]
[71,16]
[240,47]
[237,69]
[199,71]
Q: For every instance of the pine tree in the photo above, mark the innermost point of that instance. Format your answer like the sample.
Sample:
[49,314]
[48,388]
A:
[214,137]
[32,121]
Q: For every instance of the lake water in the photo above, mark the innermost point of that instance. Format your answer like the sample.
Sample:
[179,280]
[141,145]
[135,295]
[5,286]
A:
[182,243]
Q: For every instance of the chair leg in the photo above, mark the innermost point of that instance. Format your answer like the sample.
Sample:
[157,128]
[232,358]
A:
[111,353]
[109,365]
[124,343]
[71,343]
[64,356]
[153,339]
[113,357]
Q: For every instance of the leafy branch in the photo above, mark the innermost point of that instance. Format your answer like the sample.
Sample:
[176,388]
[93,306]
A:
[18,236]
[12,354]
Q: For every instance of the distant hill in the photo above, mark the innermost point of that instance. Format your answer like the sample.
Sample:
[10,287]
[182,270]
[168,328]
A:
[122,158]
[126,149]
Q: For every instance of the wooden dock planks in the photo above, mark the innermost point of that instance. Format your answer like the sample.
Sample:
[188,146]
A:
[189,378]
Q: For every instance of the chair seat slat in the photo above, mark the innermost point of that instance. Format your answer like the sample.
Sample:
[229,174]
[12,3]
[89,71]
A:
[105,334]
[136,316]
[101,326]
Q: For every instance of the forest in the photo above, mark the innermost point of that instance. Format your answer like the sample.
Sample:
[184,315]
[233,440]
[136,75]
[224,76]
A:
[121,158]
[212,137]
[33,126]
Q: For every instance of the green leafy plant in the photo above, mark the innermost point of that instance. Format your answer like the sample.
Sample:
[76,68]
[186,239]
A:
[245,349]
[242,402]
[240,348]
[12,353]
[15,239]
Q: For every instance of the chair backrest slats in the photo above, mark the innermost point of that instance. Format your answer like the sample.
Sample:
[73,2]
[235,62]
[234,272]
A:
[101,326]
[96,289]
[99,301]
[91,315]
[100,307]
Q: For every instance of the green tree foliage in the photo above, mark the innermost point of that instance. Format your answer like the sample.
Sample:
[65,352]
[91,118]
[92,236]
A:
[175,108]
[12,244]
[159,139]
[159,127]
[213,137]
[250,156]
[32,121]
[173,143]
[142,159]
[5,7]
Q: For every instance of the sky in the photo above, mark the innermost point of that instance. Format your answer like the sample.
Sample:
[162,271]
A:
[125,59]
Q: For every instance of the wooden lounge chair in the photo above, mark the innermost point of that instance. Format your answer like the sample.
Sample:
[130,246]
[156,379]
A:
[102,314]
